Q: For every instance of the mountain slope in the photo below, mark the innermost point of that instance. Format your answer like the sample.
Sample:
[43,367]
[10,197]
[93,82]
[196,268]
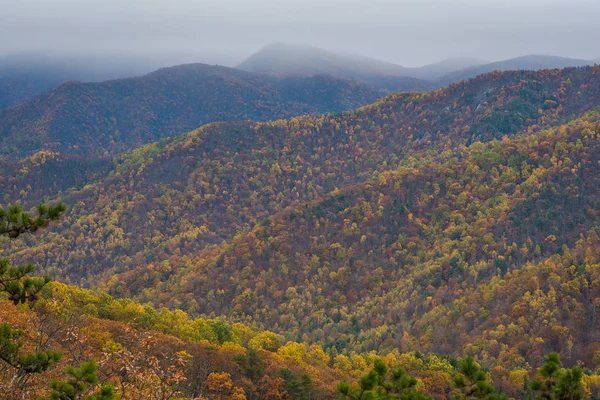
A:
[532,62]
[103,119]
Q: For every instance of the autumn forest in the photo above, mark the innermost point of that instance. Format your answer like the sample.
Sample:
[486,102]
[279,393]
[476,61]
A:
[205,232]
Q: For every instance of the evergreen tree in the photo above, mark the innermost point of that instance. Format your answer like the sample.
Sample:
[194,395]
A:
[473,383]
[381,384]
[19,287]
[15,222]
[298,388]
[556,383]
[80,381]
[15,281]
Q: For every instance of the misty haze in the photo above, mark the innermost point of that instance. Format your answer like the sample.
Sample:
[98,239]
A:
[409,33]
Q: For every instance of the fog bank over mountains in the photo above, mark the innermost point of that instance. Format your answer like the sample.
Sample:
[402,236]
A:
[409,32]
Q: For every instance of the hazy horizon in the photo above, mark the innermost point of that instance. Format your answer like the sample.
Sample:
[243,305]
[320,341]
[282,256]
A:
[409,33]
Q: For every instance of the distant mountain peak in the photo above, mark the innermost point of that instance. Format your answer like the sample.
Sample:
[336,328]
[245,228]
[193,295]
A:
[526,62]
[281,59]
[289,59]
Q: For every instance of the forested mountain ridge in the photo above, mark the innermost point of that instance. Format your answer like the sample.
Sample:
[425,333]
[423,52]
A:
[105,118]
[542,98]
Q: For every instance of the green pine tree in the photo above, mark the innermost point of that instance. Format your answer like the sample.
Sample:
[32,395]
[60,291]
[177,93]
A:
[473,383]
[381,384]
[556,383]
[79,383]
[19,287]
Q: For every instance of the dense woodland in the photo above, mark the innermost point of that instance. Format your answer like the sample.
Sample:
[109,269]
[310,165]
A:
[430,244]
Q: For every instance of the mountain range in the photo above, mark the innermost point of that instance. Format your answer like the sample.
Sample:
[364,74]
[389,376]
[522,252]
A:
[417,196]
[285,59]
[25,76]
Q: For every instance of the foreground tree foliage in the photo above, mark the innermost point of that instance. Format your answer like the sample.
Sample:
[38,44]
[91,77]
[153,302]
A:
[15,281]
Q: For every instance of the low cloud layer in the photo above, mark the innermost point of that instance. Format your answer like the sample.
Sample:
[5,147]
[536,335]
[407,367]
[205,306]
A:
[410,33]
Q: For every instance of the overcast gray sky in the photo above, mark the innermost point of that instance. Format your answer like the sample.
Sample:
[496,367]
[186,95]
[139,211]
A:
[407,32]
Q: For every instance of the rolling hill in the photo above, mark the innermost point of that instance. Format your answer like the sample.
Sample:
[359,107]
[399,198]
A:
[286,59]
[439,69]
[103,119]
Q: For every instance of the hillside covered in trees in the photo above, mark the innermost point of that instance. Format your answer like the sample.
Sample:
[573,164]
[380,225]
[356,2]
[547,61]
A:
[434,258]
[421,230]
